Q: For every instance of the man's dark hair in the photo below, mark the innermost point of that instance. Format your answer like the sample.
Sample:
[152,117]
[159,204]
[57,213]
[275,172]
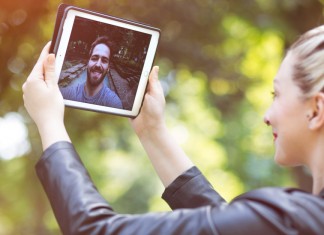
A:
[102,40]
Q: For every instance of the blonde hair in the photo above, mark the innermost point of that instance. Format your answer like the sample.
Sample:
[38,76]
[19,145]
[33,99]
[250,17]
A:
[309,64]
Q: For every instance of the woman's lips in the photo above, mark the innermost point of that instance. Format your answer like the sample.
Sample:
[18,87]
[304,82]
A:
[275,135]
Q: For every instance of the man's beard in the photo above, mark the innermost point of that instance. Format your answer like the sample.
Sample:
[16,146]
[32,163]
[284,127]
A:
[95,76]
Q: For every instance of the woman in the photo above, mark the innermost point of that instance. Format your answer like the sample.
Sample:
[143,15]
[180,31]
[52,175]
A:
[296,114]
[296,117]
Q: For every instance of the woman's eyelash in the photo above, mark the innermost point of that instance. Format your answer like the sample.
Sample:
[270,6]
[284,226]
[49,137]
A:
[273,94]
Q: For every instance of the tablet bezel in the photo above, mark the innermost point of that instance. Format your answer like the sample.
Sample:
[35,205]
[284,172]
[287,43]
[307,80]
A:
[61,49]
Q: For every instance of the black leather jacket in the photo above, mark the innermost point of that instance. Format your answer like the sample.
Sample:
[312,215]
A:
[198,208]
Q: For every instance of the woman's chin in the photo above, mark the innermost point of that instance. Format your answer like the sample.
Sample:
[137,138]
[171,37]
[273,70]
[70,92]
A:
[285,161]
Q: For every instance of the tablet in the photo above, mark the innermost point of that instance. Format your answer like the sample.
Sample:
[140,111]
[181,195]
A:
[103,62]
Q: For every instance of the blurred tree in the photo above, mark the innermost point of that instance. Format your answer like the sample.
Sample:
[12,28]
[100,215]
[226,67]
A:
[18,21]
[217,60]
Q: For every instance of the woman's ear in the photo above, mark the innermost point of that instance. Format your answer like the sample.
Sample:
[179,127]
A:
[316,116]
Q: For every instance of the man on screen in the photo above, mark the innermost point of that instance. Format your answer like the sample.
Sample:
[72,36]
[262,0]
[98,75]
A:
[94,90]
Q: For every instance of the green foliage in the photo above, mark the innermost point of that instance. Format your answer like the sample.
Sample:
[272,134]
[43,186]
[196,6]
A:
[217,60]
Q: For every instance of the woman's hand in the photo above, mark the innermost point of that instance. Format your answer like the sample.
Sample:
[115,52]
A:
[151,116]
[166,156]
[43,99]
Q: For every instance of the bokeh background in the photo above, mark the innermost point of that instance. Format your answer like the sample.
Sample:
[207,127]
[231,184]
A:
[217,60]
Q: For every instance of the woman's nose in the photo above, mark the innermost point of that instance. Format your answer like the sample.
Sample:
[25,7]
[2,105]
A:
[266,121]
[266,118]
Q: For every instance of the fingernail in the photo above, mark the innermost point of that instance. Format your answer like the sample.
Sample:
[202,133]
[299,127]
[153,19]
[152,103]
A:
[51,58]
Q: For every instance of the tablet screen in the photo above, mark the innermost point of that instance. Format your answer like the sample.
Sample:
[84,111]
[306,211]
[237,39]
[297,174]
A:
[103,63]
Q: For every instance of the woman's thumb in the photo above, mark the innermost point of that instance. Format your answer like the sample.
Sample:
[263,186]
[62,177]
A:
[49,67]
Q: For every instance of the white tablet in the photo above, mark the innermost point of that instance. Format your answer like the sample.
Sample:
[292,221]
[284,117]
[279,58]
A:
[103,62]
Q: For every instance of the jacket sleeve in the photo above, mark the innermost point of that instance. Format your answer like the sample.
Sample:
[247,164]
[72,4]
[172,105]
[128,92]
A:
[191,190]
[80,209]
[263,211]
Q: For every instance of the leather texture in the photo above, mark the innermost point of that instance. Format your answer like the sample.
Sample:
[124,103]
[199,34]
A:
[197,207]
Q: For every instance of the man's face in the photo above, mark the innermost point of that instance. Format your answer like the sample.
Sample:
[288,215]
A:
[98,65]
